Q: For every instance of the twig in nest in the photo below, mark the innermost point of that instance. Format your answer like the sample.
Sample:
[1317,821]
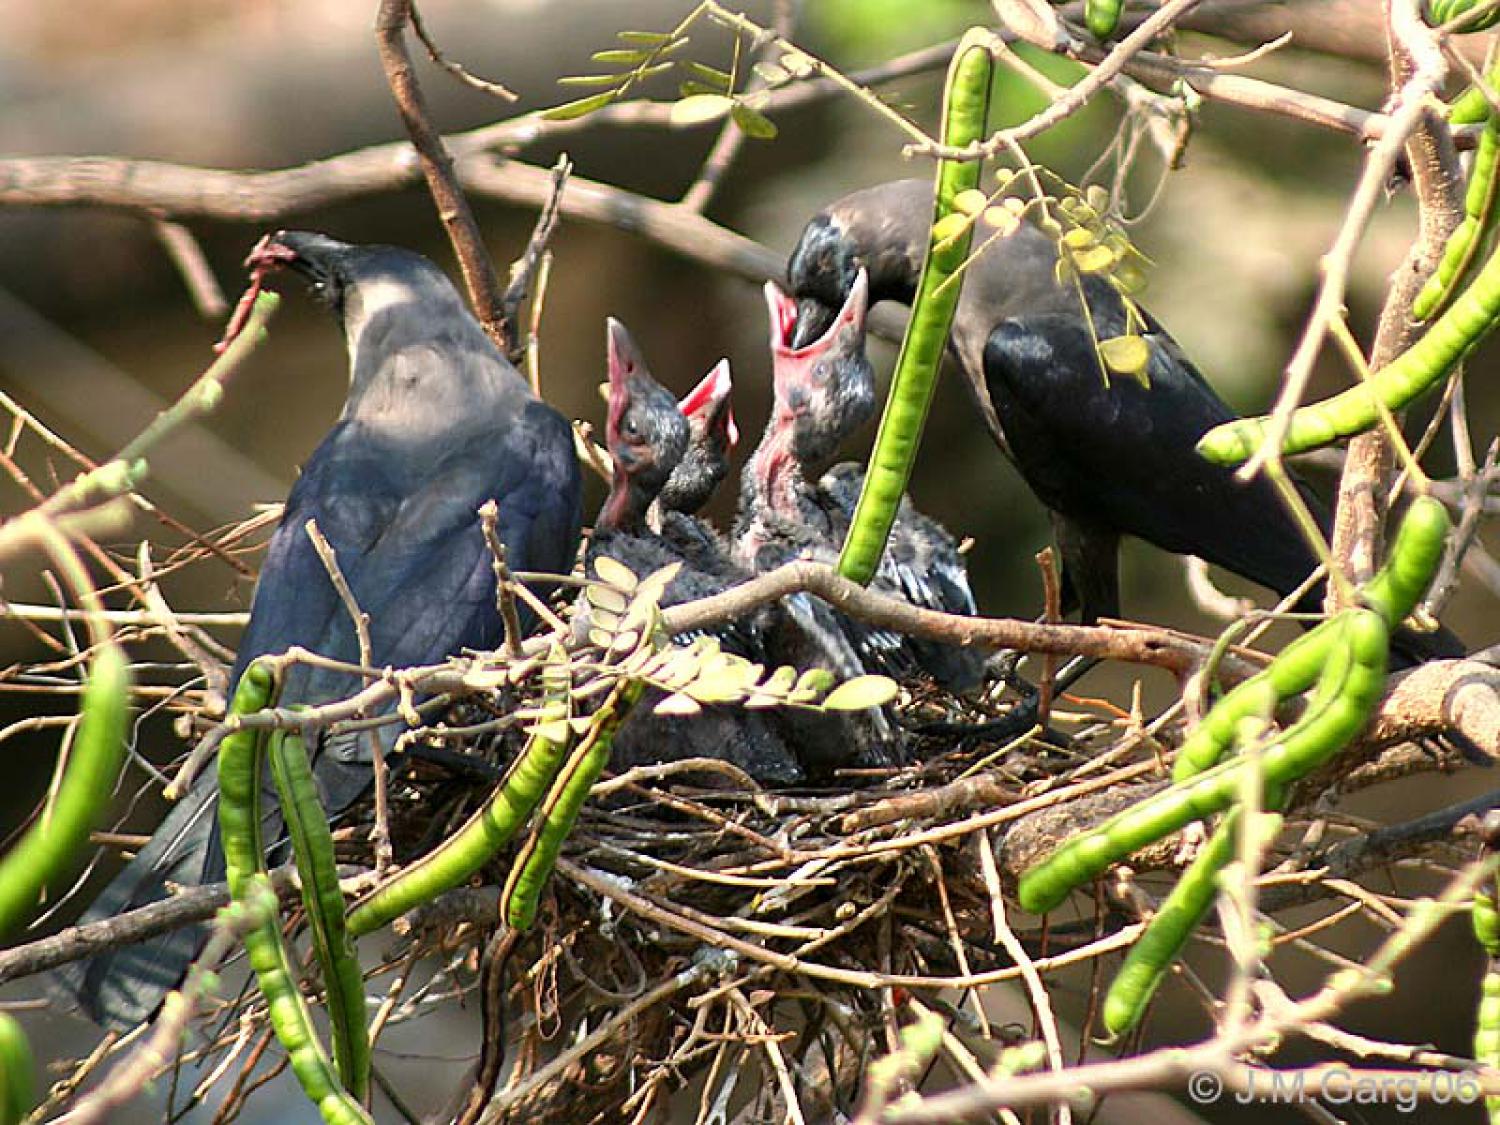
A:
[505,585]
[492,1017]
[1046,560]
[380,835]
[1207,596]
[1136,644]
[534,329]
[1476,491]
[526,266]
[590,453]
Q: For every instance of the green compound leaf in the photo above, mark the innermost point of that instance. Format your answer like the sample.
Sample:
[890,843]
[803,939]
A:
[861,693]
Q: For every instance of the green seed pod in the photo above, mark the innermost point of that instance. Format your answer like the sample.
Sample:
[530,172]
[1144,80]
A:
[1102,17]
[1440,12]
[1467,319]
[1342,706]
[244,861]
[965,111]
[1486,920]
[312,847]
[482,836]
[1412,561]
[48,848]
[1178,916]
[1468,238]
[17,1072]
[528,875]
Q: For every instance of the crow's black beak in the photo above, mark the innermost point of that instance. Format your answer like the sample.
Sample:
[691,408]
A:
[814,319]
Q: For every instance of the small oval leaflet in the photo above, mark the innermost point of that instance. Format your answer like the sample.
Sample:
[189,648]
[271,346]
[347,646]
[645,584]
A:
[607,598]
[813,682]
[753,122]
[622,57]
[771,74]
[1125,355]
[1096,259]
[699,108]
[1003,219]
[970,202]
[949,227]
[678,704]
[861,693]
[712,76]
[589,80]
[580,108]
[615,573]
[644,38]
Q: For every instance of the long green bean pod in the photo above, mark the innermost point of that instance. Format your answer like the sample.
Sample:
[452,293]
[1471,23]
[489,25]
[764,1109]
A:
[312,847]
[1469,237]
[1394,592]
[245,869]
[1179,914]
[1469,108]
[1341,709]
[1442,11]
[534,862]
[49,846]
[965,112]
[1466,321]
[1485,918]
[1486,921]
[17,1072]
[1102,17]
[1487,1029]
[484,834]
[1296,668]
[1412,561]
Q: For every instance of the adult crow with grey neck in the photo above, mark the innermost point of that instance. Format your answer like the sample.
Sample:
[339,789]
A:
[1108,456]
[437,422]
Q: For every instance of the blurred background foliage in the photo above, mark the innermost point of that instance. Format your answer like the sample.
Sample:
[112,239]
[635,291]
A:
[96,329]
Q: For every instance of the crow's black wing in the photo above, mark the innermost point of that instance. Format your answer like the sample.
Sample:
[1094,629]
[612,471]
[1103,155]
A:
[1119,455]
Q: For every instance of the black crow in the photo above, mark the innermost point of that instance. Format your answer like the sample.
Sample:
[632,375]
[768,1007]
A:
[437,422]
[1107,456]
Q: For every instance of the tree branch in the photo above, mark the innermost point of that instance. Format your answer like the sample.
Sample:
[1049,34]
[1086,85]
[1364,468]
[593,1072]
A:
[437,166]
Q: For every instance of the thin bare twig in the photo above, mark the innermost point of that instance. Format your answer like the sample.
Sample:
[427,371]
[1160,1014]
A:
[518,286]
[505,585]
[189,259]
[461,73]
[154,1055]
[380,835]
